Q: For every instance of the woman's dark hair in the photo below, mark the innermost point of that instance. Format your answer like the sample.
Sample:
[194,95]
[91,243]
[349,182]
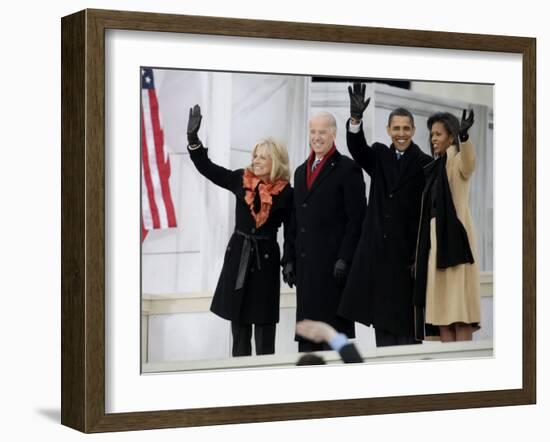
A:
[451,124]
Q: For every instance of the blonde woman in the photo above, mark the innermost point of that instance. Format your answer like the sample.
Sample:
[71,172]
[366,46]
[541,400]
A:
[248,289]
[447,290]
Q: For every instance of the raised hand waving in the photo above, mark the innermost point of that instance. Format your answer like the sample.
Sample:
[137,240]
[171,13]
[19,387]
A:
[466,123]
[193,125]
[357,102]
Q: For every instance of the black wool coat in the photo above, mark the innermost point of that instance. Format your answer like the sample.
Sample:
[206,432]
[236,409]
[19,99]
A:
[326,224]
[256,300]
[379,290]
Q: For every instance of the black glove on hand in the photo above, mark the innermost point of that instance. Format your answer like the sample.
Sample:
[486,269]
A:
[193,125]
[289,276]
[340,272]
[357,103]
[465,124]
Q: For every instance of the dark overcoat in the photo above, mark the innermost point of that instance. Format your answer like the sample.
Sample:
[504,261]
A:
[379,290]
[253,253]
[327,223]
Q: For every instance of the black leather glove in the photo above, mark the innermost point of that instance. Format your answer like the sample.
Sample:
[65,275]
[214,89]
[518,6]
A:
[340,272]
[193,125]
[465,124]
[289,275]
[357,103]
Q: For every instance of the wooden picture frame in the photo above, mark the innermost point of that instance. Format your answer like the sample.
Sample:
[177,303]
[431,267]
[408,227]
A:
[83,220]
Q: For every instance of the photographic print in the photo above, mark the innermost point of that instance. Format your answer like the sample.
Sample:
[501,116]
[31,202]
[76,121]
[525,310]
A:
[191,306]
[248,205]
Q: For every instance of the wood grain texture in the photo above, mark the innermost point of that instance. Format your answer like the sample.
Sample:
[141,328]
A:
[73,252]
[83,219]
[529,220]
[95,221]
[307,31]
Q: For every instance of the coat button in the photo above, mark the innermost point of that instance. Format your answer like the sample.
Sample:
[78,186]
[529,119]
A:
[303,229]
[391,195]
[253,230]
[387,216]
[304,205]
[303,254]
[266,256]
[385,236]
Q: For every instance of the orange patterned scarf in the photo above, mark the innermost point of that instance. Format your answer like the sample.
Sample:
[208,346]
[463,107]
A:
[266,190]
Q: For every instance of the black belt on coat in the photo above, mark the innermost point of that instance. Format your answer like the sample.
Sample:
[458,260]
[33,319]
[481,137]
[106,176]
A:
[249,241]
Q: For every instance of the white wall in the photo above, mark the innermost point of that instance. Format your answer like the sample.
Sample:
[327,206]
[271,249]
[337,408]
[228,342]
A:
[479,94]
[30,115]
[203,336]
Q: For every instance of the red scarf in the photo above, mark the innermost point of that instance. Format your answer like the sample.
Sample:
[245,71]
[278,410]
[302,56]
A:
[266,191]
[312,175]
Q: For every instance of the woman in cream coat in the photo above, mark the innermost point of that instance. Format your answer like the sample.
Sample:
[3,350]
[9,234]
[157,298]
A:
[447,290]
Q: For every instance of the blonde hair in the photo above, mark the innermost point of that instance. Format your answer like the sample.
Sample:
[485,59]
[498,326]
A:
[280,168]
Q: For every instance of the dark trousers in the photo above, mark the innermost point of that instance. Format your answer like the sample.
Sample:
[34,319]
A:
[309,346]
[385,339]
[264,339]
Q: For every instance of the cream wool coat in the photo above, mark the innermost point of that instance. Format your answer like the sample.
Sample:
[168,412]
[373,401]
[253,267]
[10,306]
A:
[453,294]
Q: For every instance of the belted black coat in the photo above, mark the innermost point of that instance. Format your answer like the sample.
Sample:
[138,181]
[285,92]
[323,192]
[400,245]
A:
[379,290]
[327,223]
[253,253]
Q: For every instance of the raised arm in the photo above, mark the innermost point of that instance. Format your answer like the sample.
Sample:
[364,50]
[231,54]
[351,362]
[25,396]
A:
[219,175]
[466,157]
[361,152]
[318,331]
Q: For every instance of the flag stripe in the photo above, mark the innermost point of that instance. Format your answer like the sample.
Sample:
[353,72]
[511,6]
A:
[157,208]
[162,160]
[154,169]
[151,217]
[146,213]
[144,231]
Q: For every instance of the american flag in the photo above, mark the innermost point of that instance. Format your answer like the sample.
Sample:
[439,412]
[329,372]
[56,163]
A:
[157,209]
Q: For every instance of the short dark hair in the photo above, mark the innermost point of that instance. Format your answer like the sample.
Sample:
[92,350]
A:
[311,359]
[400,112]
[449,121]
